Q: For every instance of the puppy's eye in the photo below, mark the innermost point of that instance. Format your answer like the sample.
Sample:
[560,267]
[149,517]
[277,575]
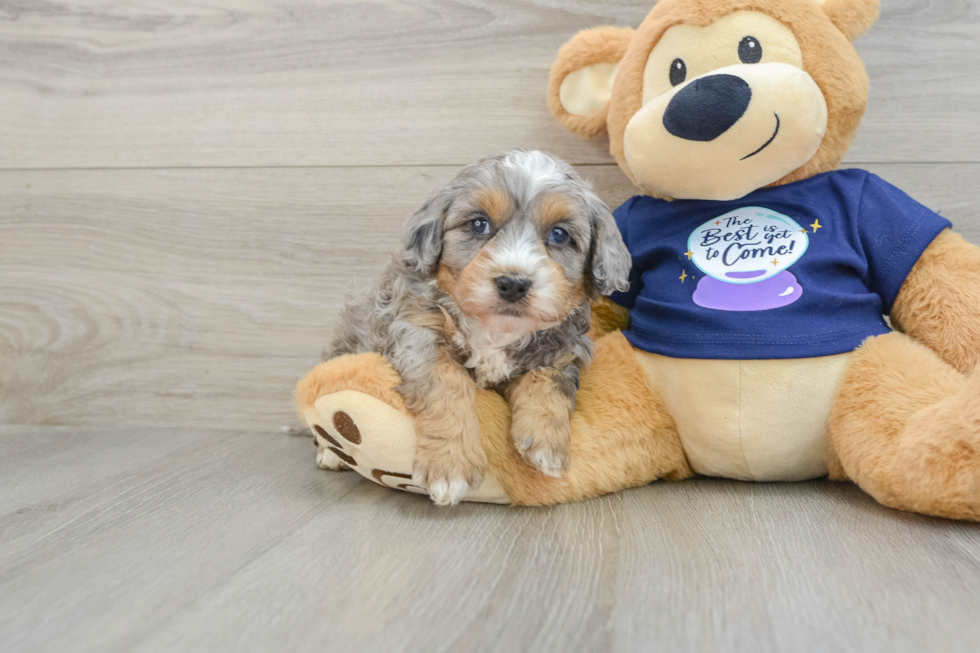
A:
[750,50]
[558,236]
[678,72]
[480,226]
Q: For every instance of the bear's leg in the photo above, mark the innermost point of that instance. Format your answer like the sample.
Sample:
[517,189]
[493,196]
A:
[906,428]
[621,437]
[360,422]
[621,434]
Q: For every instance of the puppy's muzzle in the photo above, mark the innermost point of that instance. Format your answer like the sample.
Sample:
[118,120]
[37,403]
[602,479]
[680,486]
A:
[512,289]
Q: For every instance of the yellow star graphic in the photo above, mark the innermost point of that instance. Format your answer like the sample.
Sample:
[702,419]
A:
[717,223]
[775,262]
[688,254]
[804,231]
[683,276]
[816,225]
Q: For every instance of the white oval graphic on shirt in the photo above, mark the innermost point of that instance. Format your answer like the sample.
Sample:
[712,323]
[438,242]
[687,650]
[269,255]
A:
[747,245]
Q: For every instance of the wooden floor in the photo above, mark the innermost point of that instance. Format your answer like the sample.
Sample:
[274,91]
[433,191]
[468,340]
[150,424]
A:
[191,540]
[187,186]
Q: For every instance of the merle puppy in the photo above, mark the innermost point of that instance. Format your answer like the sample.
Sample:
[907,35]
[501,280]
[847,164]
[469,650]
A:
[491,289]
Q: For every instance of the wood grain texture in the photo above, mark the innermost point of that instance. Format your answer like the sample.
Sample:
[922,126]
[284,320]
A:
[199,297]
[260,83]
[168,540]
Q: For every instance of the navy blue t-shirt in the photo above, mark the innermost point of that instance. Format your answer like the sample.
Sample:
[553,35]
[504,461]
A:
[802,270]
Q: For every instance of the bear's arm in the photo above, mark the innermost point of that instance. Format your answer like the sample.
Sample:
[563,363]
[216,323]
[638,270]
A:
[608,316]
[939,302]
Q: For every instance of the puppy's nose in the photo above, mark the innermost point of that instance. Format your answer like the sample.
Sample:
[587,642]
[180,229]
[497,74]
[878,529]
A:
[512,289]
[707,107]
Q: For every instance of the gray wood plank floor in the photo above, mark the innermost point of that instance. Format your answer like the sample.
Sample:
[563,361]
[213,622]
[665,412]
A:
[173,540]
[186,188]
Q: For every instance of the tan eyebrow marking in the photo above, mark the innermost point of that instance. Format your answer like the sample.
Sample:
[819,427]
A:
[554,208]
[496,203]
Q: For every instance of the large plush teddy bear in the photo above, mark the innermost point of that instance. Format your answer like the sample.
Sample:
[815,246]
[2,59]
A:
[752,343]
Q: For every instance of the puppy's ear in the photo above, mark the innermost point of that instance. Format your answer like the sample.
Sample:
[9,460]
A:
[852,17]
[582,78]
[608,257]
[422,234]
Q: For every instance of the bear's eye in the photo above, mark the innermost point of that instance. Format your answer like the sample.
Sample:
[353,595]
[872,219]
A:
[750,50]
[678,72]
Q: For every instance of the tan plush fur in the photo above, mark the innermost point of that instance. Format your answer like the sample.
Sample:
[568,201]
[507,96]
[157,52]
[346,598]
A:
[852,17]
[939,304]
[367,373]
[906,428]
[828,57]
[608,316]
[621,436]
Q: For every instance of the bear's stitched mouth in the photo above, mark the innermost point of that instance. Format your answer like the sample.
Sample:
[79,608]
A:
[768,143]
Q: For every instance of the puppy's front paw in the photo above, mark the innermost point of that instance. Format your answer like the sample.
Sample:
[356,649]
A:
[449,466]
[543,439]
[545,459]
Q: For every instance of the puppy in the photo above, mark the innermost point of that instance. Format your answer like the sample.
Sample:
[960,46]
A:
[491,290]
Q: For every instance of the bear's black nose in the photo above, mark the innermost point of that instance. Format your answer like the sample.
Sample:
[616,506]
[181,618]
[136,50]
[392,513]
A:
[512,289]
[707,107]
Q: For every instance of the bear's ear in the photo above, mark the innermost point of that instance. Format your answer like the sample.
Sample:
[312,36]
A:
[582,79]
[852,17]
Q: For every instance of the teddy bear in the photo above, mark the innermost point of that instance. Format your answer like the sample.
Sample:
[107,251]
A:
[752,343]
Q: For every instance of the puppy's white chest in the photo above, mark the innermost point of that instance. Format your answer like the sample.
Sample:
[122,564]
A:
[490,366]
[488,355]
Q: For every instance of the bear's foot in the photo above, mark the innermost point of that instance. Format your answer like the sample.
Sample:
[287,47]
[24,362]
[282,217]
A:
[906,428]
[384,456]
[360,423]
